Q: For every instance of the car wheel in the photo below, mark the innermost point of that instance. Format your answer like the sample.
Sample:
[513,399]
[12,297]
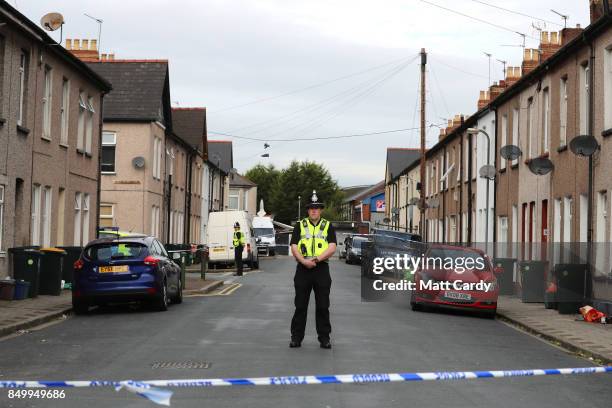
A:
[256,263]
[179,296]
[271,253]
[80,308]
[162,301]
[489,314]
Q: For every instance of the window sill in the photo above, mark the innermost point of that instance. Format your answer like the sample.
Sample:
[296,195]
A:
[46,138]
[2,121]
[24,130]
[81,151]
[108,173]
[88,155]
[514,166]
[607,132]
[502,170]
[65,146]
[562,148]
[2,254]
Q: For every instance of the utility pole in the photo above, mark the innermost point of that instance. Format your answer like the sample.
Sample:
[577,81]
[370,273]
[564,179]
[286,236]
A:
[489,55]
[422,191]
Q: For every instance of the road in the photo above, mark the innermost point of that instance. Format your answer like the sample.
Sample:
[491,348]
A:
[246,334]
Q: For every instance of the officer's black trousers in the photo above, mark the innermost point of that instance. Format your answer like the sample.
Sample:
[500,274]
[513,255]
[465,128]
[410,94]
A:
[305,281]
[238,259]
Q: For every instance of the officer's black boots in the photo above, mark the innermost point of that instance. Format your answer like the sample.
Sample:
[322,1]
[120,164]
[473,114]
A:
[325,344]
[295,343]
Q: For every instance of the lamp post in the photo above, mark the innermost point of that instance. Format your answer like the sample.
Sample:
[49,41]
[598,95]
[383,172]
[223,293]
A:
[475,131]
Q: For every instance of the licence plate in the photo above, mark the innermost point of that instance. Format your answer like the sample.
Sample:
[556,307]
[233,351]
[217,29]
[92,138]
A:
[119,268]
[457,295]
[218,249]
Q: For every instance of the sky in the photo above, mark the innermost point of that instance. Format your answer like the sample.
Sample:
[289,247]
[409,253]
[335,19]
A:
[287,69]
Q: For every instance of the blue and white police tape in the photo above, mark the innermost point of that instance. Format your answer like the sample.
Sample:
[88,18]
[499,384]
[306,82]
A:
[147,388]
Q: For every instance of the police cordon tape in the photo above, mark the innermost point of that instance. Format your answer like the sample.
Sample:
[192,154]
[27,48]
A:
[159,396]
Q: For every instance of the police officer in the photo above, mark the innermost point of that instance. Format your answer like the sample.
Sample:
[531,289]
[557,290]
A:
[238,243]
[313,242]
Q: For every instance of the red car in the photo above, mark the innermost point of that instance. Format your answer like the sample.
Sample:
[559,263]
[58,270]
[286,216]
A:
[470,283]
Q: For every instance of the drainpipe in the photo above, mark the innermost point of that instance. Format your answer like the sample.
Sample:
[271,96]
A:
[187,220]
[461,177]
[99,178]
[469,192]
[591,129]
[444,190]
[495,149]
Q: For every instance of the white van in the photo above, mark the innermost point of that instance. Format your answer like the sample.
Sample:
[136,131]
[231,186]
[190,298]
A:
[219,236]
[263,228]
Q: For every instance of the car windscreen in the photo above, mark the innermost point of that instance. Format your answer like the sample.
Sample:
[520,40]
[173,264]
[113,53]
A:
[116,250]
[263,232]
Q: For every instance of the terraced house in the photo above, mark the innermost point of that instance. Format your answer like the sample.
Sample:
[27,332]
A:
[49,139]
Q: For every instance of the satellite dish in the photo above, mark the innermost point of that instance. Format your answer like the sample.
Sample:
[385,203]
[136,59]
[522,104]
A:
[584,145]
[487,171]
[138,162]
[52,21]
[414,201]
[510,152]
[386,220]
[395,210]
[541,166]
[433,202]
[265,155]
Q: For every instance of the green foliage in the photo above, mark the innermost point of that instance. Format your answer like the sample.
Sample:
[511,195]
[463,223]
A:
[282,189]
[266,178]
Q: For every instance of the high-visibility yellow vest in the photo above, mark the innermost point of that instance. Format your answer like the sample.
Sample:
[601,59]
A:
[238,239]
[313,239]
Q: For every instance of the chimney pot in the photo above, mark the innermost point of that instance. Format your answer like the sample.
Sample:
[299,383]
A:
[76,44]
[544,39]
[111,56]
[68,43]
[84,44]
[93,45]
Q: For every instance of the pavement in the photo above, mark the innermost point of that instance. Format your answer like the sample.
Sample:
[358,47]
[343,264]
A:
[20,315]
[592,340]
[246,334]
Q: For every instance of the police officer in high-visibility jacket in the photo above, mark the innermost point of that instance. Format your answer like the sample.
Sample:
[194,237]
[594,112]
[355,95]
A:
[313,242]
[238,243]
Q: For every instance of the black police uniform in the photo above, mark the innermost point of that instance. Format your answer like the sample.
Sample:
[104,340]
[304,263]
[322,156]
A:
[305,281]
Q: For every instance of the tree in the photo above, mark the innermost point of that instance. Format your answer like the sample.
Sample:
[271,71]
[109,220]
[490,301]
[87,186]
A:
[299,179]
[266,178]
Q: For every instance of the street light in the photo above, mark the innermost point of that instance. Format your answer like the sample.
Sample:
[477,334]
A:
[485,173]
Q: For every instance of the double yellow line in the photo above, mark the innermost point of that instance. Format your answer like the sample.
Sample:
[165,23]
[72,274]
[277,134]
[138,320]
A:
[231,288]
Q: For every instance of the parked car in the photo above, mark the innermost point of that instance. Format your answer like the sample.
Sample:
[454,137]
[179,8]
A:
[406,236]
[219,236]
[353,248]
[484,301]
[126,269]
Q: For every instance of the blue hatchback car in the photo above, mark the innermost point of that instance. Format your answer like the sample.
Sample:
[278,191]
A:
[125,269]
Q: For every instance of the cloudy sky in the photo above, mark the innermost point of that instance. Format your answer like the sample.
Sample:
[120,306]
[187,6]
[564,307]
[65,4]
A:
[286,69]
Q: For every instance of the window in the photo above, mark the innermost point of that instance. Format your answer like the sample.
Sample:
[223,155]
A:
[155,212]
[81,124]
[546,119]
[61,204]
[584,208]
[85,218]
[156,158]
[64,109]
[106,215]
[515,130]
[602,216]
[502,235]
[23,72]
[514,223]
[46,217]
[458,163]
[46,103]
[608,88]
[557,221]
[563,112]
[530,119]
[77,219]
[466,157]
[583,91]
[89,125]
[35,224]
[504,139]
[474,155]
[233,199]
[1,215]
[109,144]
[171,162]
[567,219]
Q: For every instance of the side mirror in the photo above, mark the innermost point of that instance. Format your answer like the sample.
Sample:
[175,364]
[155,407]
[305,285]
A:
[258,240]
[498,270]
[176,256]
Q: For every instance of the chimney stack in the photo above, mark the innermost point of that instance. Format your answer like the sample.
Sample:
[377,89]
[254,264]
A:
[483,99]
[550,43]
[531,59]
[85,50]
[568,34]
[597,10]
